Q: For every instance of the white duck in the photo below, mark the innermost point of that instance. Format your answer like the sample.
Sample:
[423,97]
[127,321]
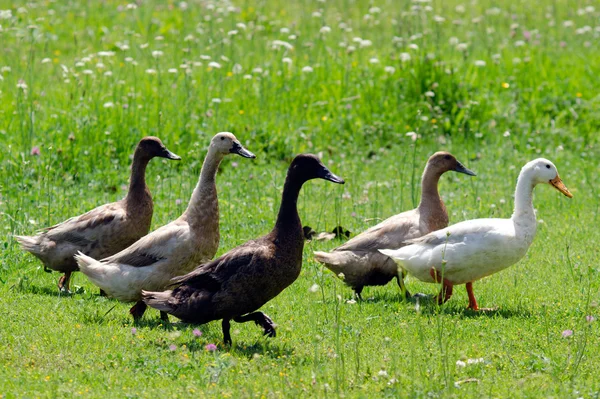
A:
[473,249]
[171,250]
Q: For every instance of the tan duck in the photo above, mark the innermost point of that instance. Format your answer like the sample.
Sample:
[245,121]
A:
[104,230]
[237,284]
[173,249]
[360,263]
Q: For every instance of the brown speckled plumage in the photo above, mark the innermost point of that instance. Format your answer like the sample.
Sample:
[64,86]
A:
[105,230]
[358,259]
[248,276]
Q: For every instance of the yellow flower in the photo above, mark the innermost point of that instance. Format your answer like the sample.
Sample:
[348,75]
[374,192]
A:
[578,95]
[433,120]
[241,111]
[56,52]
[324,118]
[229,74]
[505,85]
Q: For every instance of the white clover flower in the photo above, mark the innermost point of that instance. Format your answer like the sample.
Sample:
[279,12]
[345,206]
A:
[280,43]
[106,53]
[316,14]
[325,29]
[232,32]
[123,47]
[519,43]
[205,57]
[429,94]
[108,73]
[285,31]
[374,60]
[79,64]
[151,71]
[172,70]
[351,49]
[366,43]
[287,60]
[257,70]
[21,84]
[374,10]
[247,77]
[127,59]
[437,18]
[216,100]
[5,69]
[480,63]
[157,53]
[144,45]
[214,64]
[413,136]
[389,69]
[183,5]
[413,46]
[188,38]
[292,37]
[314,288]
[5,14]
[46,60]
[460,363]
[516,60]
[87,72]
[475,361]
[568,24]
[159,38]
[241,26]
[405,57]
[99,65]
[307,69]
[462,46]
[109,105]
[237,69]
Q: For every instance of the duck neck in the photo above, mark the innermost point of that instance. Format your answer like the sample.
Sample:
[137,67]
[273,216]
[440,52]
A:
[204,203]
[430,197]
[524,214]
[138,190]
[288,218]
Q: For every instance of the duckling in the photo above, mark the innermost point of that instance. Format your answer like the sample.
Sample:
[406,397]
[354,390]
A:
[235,285]
[104,230]
[360,264]
[173,249]
[473,249]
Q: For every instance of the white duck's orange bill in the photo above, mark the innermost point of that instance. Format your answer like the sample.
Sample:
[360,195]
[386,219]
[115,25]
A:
[560,186]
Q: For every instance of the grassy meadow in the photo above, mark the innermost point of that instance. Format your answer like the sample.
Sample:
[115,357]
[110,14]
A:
[374,88]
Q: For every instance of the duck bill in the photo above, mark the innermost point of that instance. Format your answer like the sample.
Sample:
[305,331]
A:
[460,168]
[169,155]
[327,175]
[558,184]
[241,151]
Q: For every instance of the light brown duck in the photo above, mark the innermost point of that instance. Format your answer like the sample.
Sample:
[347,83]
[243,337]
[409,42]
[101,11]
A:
[104,230]
[361,264]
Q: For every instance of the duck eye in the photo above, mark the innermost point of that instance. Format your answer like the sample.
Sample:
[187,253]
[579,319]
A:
[447,157]
[547,166]
[222,138]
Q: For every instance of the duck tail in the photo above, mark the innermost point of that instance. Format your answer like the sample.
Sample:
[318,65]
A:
[394,254]
[29,244]
[93,269]
[158,300]
[322,257]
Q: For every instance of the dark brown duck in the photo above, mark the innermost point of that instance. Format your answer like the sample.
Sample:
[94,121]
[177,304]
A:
[236,285]
[104,230]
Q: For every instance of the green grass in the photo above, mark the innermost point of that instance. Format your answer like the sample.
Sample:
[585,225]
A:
[543,92]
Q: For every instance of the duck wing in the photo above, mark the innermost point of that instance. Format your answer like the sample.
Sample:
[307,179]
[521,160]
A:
[461,232]
[152,248]
[389,233]
[84,229]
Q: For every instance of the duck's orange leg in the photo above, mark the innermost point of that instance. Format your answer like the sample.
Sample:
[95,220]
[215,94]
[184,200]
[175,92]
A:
[446,291]
[472,300]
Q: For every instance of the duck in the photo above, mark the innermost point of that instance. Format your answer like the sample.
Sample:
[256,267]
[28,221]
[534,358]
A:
[104,230]
[238,283]
[358,261]
[173,249]
[471,250]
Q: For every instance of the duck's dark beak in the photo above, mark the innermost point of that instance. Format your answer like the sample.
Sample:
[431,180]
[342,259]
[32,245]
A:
[169,155]
[460,168]
[237,148]
[326,174]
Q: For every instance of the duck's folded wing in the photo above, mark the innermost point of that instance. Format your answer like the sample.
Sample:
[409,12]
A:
[460,232]
[386,234]
[91,226]
[212,274]
[151,248]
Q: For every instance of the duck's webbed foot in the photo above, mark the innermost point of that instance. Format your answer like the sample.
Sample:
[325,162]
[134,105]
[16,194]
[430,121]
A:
[260,319]
[63,283]
[138,310]
[226,326]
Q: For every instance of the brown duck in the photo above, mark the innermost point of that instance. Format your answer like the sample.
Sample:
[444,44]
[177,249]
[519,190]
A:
[359,263]
[104,230]
[236,285]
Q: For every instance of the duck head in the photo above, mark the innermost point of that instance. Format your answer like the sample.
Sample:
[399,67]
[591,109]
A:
[544,171]
[307,167]
[444,161]
[152,147]
[226,143]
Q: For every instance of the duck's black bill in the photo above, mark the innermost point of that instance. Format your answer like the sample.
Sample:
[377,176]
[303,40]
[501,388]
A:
[241,151]
[460,168]
[327,175]
[169,155]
